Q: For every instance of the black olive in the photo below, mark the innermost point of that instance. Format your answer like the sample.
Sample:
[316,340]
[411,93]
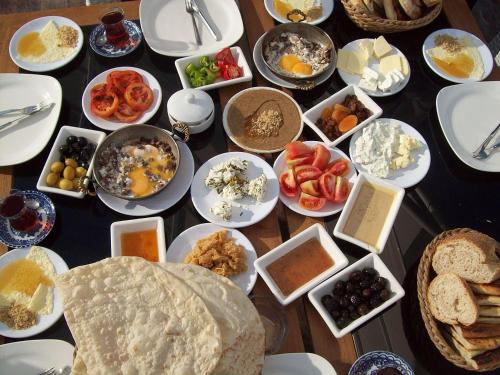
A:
[344,313]
[365,283]
[75,156]
[351,308]
[75,146]
[83,163]
[355,299]
[63,149]
[82,141]
[366,293]
[371,272]
[90,147]
[71,139]
[384,294]
[328,302]
[381,280]
[375,301]
[62,158]
[354,315]
[349,287]
[355,276]
[363,309]
[344,302]
[339,287]
[342,322]
[376,286]
[85,155]
[335,314]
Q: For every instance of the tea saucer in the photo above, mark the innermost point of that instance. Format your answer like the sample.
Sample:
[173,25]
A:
[97,40]
[46,217]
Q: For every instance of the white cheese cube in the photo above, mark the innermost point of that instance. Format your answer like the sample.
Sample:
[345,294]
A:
[370,74]
[367,85]
[386,84]
[397,75]
[381,47]
[405,69]
[388,63]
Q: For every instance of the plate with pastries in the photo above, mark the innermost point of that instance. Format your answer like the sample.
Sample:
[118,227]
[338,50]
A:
[459,292]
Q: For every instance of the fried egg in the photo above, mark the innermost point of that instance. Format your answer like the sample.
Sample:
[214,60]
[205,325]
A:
[294,65]
[312,8]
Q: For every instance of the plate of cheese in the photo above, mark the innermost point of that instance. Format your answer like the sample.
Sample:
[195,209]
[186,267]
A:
[28,302]
[374,65]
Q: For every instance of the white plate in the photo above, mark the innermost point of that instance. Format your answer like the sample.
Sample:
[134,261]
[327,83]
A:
[416,171]
[182,245]
[468,113]
[327,10]
[330,208]
[113,124]
[161,201]
[481,47]
[297,364]
[168,30]
[25,140]
[273,78]
[245,211]
[35,356]
[373,63]
[239,57]
[45,321]
[37,25]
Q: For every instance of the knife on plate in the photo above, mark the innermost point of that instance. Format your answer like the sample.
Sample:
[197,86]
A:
[42,108]
[210,27]
[483,145]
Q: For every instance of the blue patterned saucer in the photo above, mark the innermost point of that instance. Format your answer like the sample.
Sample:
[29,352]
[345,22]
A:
[369,363]
[100,46]
[46,217]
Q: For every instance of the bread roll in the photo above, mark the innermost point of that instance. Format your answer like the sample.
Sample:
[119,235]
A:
[412,8]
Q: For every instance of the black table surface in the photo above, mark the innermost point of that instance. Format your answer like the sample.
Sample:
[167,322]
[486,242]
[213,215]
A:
[451,195]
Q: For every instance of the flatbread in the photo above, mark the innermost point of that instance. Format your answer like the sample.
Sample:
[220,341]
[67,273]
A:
[128,316]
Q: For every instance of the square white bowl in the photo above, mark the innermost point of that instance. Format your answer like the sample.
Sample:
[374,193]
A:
[314,231]
[389,221]
[311,116]
[180,65]
[371,260]
[137,225]
[93,136]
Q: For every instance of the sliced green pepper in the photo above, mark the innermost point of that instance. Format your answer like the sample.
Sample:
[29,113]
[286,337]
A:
[214,68]
[204,61]
[190,68]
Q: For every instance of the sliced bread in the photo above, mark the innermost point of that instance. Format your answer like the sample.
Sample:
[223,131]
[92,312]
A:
[492,289]
[480,330]
[451,301]
[489,311]
[474,344]
[470,255]
[484,300]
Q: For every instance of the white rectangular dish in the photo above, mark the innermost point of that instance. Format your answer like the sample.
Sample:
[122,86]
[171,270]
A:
[137,225]
[371,260]
[315,231]
[239,57]
[311,116]
[389,221]
[93,136]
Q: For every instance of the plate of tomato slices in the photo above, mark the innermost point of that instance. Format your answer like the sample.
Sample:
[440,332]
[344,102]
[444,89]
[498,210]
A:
[315,180]
[121,96]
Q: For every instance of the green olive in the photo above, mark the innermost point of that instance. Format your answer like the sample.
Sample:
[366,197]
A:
[76,183]
[66,184]
[57,167]
[71,163]
[80,172]
[52,179]
[69,173]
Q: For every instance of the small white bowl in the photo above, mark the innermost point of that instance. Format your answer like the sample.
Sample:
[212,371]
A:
[314,231]
[371,260]
[137,225]
[399,193]
[311,116]
[239,57]
[93,136]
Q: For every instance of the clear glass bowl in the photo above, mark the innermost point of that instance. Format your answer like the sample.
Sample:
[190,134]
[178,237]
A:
[273,318]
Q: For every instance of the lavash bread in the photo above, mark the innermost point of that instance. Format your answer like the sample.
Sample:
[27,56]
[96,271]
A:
[471,255]
[129,317]
[451,301]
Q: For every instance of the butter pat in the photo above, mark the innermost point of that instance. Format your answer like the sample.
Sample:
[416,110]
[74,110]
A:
[351,62]
[388,63]
[381,47]
[42,300]
[405,69]
[366,47]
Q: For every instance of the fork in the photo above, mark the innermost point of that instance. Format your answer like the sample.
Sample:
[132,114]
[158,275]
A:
[50,371]
[197,10]
[23,111]
[483,154]
[479,153]
[191,11]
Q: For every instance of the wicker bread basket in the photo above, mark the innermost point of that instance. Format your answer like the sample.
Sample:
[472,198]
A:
[424,277]
[385,26]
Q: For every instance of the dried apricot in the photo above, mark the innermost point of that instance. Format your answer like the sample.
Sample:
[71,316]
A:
[347,123]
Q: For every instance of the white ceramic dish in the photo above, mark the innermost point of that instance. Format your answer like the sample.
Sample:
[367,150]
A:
[314,113]
[113,124]
[314,231]
[44,321]
[327,6]
[330,208]
[297,364]
[162,201]
[239,57]
[478,43]
[246,211]
[391,216]
[24,140]
[373,63]
[370,260]
[182,245]
[273,78]
[410,175]
[93,136]
[167,27]
[230,134]
[126,226]
[476,103]
[35,356]
[37,25]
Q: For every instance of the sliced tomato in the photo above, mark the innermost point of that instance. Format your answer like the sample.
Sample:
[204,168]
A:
[308,159]
[288,186]
[139,96]
[342,188]
[99,89]
[339,167]
[321,156]
[120,79]
[226,56]
[327,186]
[305,173]
[126,113]
[311,187]
[104,105]
[296,149]
[310,202]
[231,71]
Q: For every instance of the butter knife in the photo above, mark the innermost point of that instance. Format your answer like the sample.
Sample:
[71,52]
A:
[42,108]
[205,21]
[483,145]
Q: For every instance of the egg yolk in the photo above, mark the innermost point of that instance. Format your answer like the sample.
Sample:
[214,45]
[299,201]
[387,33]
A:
[288,61]
[302,69]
